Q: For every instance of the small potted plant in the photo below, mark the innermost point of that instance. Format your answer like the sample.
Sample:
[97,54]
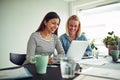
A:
[94,49]
[111,41]
[93,46]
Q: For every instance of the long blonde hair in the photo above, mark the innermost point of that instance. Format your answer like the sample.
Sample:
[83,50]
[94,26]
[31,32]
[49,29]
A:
[76,18]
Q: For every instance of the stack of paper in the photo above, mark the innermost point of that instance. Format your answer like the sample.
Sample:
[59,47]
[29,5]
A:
[93,61]
[17,73]
[101,72]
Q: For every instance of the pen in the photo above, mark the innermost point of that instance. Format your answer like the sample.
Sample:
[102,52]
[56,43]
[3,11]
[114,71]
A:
[50,66]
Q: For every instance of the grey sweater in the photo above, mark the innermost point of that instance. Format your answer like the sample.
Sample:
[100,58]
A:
[38,45]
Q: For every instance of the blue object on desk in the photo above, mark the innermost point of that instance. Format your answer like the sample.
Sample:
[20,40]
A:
[87,57]
[50,66]
[16,73]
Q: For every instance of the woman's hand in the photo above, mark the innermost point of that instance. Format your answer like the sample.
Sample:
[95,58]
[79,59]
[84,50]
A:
[50,61]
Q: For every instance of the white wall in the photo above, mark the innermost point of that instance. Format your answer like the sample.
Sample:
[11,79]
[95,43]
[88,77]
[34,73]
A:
[19,18]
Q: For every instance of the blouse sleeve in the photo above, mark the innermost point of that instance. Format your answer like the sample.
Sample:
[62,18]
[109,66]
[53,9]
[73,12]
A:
[31,46]
[88,51]
[59,48]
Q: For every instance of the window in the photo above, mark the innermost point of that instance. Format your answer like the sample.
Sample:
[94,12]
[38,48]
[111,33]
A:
[97,22]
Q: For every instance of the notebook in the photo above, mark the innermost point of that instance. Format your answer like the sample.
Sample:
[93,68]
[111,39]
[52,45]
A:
[77,50]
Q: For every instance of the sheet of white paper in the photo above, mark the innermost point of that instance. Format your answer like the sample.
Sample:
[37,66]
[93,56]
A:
[84,77]
[93,61]
[15,73]
[101,72]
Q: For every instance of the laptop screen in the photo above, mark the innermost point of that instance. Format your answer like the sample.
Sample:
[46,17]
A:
[77,49]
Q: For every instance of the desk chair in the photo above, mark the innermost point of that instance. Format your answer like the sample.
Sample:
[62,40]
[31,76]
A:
[17,59]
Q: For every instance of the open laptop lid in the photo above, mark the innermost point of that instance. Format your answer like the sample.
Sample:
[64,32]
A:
[77,50]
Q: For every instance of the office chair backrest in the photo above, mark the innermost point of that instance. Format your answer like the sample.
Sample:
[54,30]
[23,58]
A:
[17,59]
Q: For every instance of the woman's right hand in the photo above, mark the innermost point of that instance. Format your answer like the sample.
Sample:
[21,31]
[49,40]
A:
[50,61]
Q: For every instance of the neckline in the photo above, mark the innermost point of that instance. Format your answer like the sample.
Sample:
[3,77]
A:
[44,38]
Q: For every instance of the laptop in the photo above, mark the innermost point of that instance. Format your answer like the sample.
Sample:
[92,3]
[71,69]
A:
[77,50]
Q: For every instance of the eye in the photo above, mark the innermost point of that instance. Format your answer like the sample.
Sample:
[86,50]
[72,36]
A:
[70,25]
[54,23]
[75,25]
[58,24]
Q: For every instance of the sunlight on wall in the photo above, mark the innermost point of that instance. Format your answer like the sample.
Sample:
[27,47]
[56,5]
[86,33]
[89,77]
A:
[97,22]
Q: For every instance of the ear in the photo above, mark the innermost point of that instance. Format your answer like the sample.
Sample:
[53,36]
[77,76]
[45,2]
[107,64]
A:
[44,22]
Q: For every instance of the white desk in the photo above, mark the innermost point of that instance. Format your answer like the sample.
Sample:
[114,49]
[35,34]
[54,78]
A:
[109,65]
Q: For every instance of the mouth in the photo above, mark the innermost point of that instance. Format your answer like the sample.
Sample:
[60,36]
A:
[53,29]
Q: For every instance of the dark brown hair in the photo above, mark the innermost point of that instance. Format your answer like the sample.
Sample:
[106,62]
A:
[47,17]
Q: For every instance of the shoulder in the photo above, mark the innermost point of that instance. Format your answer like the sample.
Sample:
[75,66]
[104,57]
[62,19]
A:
[82,37]
[34,35]
[63,36]
[55,37]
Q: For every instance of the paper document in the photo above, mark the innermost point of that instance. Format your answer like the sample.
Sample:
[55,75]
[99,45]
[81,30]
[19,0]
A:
[102,72]
[84,77]
[16,73]
[93,61]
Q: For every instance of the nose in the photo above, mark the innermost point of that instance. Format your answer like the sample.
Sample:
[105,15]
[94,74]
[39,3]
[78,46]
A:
[73,27]
[56,25]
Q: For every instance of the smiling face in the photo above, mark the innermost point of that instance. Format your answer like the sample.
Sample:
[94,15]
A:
[73,27]
[52,25]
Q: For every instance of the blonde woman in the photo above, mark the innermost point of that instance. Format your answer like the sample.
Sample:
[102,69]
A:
[73,32]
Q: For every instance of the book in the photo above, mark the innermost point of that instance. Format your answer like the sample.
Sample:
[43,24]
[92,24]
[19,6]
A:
[17,73]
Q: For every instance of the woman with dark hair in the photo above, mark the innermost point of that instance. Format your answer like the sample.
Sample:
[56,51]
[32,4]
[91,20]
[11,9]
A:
[45,39]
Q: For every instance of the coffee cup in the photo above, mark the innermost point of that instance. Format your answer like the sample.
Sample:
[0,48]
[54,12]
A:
[115,55]
[41,62]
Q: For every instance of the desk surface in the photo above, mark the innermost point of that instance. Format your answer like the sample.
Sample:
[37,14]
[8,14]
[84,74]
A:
[109,65]
[55,74]
[52,73]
